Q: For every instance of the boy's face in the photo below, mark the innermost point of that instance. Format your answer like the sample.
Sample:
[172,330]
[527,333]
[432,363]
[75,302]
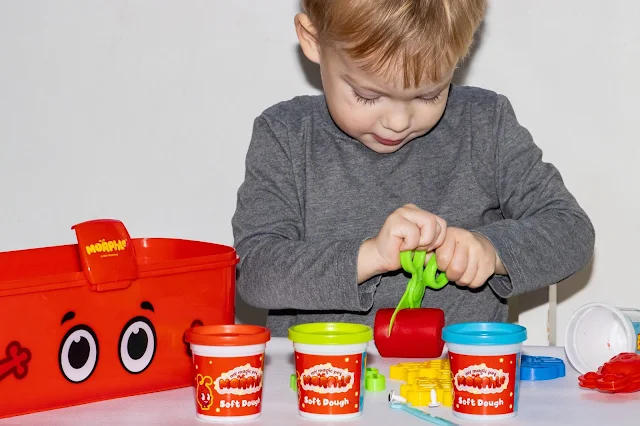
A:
[381,115]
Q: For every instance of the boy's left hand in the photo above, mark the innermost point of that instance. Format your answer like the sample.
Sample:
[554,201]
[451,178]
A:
[468,259]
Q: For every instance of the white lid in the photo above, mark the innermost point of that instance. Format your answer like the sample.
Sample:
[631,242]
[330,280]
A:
[596,333]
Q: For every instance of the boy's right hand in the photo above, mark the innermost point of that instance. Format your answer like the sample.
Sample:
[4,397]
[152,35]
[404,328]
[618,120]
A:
[407,228]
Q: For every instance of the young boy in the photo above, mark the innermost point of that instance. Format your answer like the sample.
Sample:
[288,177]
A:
[394,157]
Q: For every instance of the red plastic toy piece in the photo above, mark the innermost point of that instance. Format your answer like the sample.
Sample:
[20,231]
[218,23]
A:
[417,333]
[621,374]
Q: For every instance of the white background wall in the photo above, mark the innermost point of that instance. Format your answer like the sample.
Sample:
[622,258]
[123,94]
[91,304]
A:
[142,111]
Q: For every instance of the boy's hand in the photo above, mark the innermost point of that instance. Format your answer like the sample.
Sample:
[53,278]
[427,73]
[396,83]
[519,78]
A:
[468,259]
[407,228]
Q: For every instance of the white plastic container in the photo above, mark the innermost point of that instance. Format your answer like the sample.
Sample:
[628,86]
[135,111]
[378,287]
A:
[228,366]
[330,361]
[485,363]
[597,332]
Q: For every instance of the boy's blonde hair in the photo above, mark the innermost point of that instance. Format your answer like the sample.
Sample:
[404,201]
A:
[416,39]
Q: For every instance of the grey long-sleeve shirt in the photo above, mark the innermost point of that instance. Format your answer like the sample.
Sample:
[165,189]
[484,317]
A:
[312,195]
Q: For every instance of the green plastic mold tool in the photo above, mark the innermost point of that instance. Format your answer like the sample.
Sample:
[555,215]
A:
[421,278]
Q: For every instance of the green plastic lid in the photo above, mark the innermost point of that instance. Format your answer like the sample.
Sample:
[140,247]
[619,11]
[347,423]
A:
[330,333]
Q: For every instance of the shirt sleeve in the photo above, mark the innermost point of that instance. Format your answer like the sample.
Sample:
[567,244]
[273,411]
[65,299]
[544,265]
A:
[278,269]
[545,236]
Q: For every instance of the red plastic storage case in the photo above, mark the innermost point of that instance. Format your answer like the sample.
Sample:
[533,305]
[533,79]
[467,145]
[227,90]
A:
[106,317]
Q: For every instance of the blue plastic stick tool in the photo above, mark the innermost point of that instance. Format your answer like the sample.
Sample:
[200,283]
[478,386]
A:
[399,403]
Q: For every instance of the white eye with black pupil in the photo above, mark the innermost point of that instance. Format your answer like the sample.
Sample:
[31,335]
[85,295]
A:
[137,345]
[78,353]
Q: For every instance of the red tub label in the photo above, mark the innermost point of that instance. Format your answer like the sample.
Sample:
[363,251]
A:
[330,384]
[484,385]
[228,387]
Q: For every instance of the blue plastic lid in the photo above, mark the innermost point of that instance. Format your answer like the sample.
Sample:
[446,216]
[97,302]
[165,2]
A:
[541,368]
[484,333]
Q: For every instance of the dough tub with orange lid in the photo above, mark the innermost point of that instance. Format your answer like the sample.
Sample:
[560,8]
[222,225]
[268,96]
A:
[105,318]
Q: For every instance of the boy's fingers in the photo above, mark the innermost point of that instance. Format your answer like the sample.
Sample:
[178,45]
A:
[480,278]
[485,270]
[410,206]
[483,274]
[444,253]
[409,233]
[458,263]
[441,234]
[427,238]
[471,269]
[428,224]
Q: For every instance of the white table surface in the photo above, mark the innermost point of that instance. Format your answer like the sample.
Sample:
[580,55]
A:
[557,402]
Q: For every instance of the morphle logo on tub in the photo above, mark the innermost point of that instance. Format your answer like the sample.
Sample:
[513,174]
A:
[484,385]
[234,385]
[239,381]
[329,384]
[326,378]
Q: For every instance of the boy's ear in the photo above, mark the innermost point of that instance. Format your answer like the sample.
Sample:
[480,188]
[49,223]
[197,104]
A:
[308,38]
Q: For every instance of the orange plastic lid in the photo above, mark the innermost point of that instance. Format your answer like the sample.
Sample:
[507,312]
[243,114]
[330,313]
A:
[228,335]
